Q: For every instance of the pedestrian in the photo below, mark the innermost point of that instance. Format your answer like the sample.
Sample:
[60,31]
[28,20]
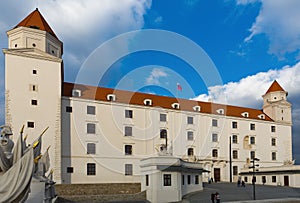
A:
[217,197]
[212,197]
[211,179]
[243,183]
[239,183]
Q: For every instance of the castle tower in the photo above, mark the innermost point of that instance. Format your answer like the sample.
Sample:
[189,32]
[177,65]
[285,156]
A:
[276,105]
[33,81]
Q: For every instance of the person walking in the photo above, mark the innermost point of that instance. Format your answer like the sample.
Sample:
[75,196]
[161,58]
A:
[243,183]
[217,197]
[212,197]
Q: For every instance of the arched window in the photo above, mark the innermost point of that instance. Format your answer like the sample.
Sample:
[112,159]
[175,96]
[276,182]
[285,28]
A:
[215,153]
[190,152]
[163,133]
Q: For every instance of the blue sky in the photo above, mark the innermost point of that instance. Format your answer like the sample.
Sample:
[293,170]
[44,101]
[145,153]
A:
[250,42]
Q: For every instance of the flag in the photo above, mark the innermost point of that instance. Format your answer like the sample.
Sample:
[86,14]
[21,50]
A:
[179,87]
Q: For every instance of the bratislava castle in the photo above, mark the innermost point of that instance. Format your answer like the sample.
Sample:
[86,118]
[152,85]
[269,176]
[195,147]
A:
[99,135]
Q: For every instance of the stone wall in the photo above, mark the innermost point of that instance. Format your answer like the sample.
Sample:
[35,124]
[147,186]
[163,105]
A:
[99,192]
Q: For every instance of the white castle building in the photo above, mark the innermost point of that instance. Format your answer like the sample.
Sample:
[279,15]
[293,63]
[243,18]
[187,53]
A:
[99,135]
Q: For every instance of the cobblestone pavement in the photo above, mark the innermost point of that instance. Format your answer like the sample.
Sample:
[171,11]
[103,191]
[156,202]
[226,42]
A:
[229,192]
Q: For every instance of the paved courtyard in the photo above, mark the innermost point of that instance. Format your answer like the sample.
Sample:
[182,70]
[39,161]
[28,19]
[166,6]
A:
[229,192]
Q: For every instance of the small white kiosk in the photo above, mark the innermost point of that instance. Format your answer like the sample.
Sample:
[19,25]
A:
[167,179]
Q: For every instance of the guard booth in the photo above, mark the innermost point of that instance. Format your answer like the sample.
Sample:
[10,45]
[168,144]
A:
[167,179]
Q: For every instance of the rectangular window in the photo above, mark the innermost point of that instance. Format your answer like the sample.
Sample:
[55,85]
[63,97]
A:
[234,139]
[234,154]
[128,149]
[190,120]
[252,140]
[128,131]
[30,124]
[189,179]
[91,128]
[235,170]
[215,137]
[163,117]
[33,102]
[273,142]
[273,179]
[182,179]
[147,180]
[215,153]
[273,129]
[252,126]
[128,114]
[252,154]
[128,170]
[273,156]
[167,179]
[234,124]
[215,122]
[91,169]
[196,179]
[91,110]
[70,169]
[190,135]
[34,72]
[91,148]
[69,109]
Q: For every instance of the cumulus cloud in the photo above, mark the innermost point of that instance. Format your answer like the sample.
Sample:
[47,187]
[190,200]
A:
[248,91]
[279,21]
[155,75]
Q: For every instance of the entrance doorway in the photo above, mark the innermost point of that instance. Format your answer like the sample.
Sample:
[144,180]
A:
[217,174]
[286,181]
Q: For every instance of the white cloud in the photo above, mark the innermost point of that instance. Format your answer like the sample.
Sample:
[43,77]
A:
[155,76]
[244,2]
[279,21]
[248,91]
[82,24]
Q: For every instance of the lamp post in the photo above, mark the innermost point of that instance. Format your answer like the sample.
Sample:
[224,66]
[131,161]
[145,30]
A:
[253,174]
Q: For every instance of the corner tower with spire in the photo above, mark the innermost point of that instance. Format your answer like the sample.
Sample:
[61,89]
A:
[276,105]
[33,82]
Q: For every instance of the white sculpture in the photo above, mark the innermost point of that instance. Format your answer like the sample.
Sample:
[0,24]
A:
[19,164]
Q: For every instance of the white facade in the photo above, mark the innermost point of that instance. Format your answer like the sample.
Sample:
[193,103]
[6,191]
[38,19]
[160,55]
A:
[99,135]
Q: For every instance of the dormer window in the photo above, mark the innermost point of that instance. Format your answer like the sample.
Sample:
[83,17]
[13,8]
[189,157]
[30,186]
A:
[76,93]
[148,102]
[261,116]
[197,108]
[175,106]
[220,111]
[111,97]
[245,114]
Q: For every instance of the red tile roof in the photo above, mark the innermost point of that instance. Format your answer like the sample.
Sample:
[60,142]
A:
[275,87]
[37,21]
[137,98]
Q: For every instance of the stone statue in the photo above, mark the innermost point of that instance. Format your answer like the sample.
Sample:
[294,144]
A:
[19,165]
